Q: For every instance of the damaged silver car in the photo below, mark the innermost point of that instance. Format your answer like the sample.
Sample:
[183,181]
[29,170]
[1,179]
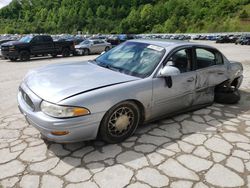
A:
[136,82]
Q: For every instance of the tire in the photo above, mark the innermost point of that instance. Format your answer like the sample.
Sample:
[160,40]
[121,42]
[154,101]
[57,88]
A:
[227,96]
[13,59]
[107,49]
[119,122]
[86,52]
[25,55]
[54,55]
[65,52]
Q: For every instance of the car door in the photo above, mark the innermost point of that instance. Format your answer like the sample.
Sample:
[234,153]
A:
[94,47]
[178,95]
[36,45]
[210,71]
[101,46]
[48,44]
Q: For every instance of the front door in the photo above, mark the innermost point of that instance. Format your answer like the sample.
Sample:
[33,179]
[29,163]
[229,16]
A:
[37,45]
[178,95]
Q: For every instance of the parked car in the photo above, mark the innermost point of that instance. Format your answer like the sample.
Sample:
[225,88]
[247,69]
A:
[223,39]
[136,82]
[245,41]
[196,37]
[92,46]
[239,40]
[36,45]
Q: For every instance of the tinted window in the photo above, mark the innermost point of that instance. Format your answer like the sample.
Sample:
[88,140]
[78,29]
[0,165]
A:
[26,39]
[37,39]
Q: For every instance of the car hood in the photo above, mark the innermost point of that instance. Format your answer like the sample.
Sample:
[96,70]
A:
[56,82]
[12,43]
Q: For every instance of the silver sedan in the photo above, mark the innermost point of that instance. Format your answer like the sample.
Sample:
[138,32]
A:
[136,82]
[92,46]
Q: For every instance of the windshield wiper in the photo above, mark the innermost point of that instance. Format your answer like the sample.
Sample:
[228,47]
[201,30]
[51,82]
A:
[117,69]
[108,66]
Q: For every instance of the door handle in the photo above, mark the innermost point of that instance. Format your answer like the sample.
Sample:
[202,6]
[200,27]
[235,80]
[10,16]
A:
[220,73]
[190,79]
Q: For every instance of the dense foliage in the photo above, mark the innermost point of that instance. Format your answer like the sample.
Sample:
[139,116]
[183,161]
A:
[126,16]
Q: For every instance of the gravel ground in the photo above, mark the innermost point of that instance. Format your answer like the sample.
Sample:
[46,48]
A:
[205,148]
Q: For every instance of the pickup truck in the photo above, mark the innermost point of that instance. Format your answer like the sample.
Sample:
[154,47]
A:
[29,46]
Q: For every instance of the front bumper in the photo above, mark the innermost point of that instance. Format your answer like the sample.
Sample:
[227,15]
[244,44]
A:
[79,128]
[79,51]
[10,54]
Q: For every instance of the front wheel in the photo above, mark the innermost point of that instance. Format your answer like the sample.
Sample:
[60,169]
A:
[107,48]
[86,52]
[24,56]
[120,122]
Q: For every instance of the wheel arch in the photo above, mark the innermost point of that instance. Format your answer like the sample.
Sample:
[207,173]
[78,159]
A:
[136,102]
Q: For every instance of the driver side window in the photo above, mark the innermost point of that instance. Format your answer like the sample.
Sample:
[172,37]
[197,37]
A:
[181,60]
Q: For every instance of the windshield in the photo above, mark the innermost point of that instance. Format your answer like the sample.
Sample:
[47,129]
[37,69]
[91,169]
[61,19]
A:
[132,58]
[26,39]
[85,42]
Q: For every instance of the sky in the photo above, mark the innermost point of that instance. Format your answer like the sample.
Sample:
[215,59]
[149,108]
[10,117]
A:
[4,3]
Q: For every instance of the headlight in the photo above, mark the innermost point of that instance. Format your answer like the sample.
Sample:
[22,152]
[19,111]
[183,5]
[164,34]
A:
[63,111]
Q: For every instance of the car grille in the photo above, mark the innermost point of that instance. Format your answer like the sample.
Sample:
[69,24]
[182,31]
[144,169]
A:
[4,48]
[27,99]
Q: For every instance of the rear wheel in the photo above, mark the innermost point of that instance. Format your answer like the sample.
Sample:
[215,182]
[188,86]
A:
[25,55]
[227,95]
[120,122]
[65,52]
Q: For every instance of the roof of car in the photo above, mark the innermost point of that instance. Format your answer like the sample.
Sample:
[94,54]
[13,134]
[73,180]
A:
[169,43]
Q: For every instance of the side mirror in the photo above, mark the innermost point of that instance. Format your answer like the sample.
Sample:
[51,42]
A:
[169,71]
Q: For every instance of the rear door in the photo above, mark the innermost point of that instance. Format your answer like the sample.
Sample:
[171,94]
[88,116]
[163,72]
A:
[210,71]
[101,46]
[95,46]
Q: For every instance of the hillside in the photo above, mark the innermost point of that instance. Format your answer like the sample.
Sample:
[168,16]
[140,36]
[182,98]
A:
[126,16]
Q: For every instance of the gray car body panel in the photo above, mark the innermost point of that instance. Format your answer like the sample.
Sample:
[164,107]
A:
[99,89]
